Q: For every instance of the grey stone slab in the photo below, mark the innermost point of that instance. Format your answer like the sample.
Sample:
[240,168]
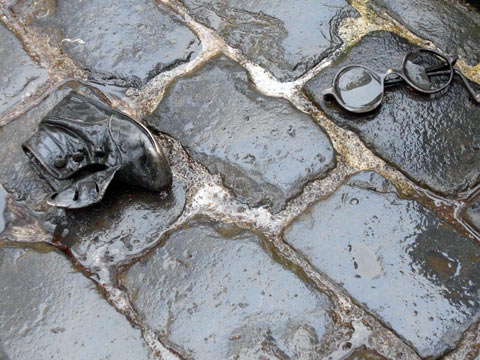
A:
[452,27]
[3,208]
[433,139]
[123,224]
[264,148]
[49,311]
[395,257]
[213,291]
[286,37]
[472,213]
[118,41]
[19,75]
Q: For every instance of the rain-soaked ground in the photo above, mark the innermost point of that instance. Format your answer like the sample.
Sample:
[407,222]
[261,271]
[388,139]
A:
[294,230]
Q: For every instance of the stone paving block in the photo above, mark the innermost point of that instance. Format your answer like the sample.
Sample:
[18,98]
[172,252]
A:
[395,257]
[264,148]
[472,213]
[434,139]
[212,290]
[3,209]
[118,41]
[122,224]
[287,38]
[453,28]
[19,75]
[49,311]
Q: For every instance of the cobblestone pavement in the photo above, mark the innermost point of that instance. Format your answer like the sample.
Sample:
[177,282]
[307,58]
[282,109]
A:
[294,230]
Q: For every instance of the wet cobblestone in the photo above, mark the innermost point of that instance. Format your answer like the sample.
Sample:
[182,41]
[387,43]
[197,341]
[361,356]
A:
[419,273]
[288,39]
[280,239]
[432,138]
[50,311]
[20,75]
[141,40]
[472,213]
[264,149]
[446,23]
[244,304]
[124,224]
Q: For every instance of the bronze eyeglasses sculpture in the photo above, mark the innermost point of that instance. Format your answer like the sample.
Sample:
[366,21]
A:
[359,89]
[82,144]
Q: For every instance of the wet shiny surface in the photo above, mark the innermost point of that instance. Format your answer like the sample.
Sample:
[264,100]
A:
[206,304]
[16,173]
[264,149]
[287,38]
[450,26]
[124,224]
[119,42]
[64,152]
[472,213]
[213,291]
[359,88]
[416,68]
[397,259]
[433,139]
[3,208]
[50,311]
[19,75]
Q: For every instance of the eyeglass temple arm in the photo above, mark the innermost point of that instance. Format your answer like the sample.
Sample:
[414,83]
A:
[475,96]
[429,70]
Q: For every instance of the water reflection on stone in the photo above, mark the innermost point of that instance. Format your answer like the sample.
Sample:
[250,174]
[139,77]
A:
[49,311]
[398,259]
[116,42]
[125,223]
[217,294]
[20,75]
[287,38]
[265,149]
[432,139]
[472,213]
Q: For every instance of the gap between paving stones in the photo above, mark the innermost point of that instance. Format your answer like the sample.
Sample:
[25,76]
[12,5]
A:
[256,73]
[59,66]
[353,150]
[269,84]
[344,141]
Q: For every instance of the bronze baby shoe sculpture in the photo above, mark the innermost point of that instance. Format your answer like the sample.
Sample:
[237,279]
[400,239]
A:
[82,144]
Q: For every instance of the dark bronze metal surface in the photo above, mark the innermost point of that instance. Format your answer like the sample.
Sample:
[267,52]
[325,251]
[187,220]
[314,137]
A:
[82,144]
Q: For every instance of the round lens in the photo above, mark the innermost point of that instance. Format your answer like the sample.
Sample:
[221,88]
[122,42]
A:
[359,88]
[428,71]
